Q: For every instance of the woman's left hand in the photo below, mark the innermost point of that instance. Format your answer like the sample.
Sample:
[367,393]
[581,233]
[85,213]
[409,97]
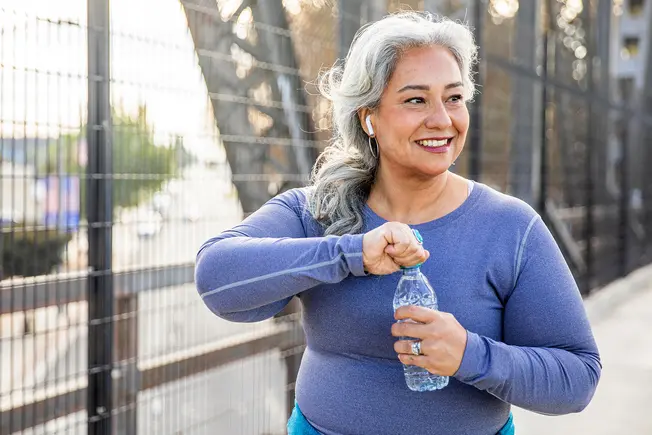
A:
[443,339]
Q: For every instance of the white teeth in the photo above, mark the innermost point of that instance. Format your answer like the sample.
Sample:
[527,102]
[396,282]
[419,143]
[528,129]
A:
[433,143]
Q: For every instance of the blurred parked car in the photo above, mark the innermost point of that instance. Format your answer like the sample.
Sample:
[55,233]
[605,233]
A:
[161,203]
[9,217]
[148,223]
[191,213]
[172,186]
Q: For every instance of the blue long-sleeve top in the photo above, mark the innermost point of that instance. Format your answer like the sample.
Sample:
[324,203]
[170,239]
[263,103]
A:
[494,265]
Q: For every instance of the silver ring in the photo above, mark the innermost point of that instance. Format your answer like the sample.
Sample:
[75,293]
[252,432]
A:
[416,348]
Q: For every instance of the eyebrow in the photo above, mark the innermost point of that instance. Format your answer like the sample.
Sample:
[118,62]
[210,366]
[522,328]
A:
[427,88]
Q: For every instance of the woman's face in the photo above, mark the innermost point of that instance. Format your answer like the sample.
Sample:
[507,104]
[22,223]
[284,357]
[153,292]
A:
[422,120]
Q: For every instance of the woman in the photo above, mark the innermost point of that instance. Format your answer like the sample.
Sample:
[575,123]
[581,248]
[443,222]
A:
[511,327]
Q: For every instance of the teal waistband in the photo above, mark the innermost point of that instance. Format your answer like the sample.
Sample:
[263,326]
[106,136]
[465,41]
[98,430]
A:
[509,428]
[299,425]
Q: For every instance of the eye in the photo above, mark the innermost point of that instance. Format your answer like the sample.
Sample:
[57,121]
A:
[456,98]
[415,100]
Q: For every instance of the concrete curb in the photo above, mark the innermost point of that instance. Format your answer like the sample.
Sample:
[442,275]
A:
[601,304]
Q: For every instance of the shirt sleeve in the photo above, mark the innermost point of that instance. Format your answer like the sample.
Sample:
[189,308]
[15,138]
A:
[549,361]
[251,272]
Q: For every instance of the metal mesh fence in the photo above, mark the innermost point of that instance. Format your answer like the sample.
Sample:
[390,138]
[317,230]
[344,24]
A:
[132,135]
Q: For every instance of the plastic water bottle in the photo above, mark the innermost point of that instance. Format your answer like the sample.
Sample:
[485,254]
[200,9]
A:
[414,289]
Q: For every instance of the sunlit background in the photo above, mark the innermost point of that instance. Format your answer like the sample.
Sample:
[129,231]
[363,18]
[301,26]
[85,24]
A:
[214,110]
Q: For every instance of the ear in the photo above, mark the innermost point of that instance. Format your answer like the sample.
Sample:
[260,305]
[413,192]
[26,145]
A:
[366,120]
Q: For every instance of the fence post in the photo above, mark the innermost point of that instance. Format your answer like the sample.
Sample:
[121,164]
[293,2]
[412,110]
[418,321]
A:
[99,215]
[126,374]
[542,195]
[589,219]
[475,141]
[623,221]
[526,106]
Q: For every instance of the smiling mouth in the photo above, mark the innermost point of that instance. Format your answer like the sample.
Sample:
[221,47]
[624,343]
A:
[434,143]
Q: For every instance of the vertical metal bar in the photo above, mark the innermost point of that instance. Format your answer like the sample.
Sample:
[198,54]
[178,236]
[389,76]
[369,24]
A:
[126,375]
[525,149]
[624,209]
[604,14]
[475,141]
[100,209]
[589,221]
[348,23]
[605,132]
[374,10]
[543,159]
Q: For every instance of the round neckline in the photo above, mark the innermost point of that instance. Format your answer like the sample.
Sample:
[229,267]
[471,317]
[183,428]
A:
[469,202]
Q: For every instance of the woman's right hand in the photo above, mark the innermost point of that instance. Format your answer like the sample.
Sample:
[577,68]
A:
[390,246]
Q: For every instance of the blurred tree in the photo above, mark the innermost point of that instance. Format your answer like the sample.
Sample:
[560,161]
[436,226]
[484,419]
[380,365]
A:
[139,165]
[257,58]
[295,117]
[248,56]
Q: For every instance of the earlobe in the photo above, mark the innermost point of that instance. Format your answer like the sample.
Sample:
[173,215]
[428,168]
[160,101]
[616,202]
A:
[370,128]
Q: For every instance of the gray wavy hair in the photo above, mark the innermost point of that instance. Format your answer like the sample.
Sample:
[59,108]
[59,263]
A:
[344,173]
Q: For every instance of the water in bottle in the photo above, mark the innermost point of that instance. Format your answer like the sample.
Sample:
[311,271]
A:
[414,289]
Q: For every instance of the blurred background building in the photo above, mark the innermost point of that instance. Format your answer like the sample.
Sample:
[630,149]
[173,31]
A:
[133,131]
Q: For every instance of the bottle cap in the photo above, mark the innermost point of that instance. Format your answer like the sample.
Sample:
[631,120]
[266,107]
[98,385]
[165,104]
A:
[419,238]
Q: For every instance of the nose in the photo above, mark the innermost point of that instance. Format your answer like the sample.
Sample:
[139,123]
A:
[438,118]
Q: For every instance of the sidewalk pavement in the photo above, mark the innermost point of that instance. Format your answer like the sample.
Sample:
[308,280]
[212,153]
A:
[621,315]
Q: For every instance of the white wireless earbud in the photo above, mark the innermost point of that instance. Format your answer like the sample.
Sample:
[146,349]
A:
[369,126]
